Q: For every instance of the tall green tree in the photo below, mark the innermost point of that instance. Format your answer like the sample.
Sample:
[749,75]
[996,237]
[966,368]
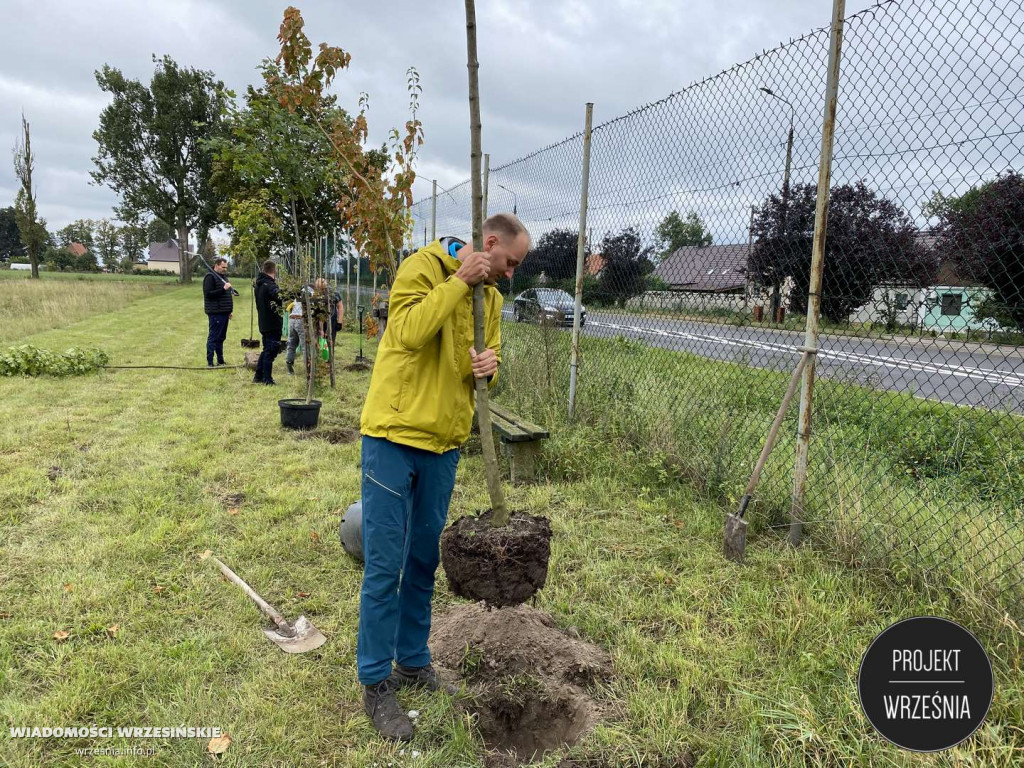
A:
[157,230]
[674,232]
[152,146]
[31,228]
[133,240]
[107,244]
[78,231]
[10,237]
[554,255]
[276,157]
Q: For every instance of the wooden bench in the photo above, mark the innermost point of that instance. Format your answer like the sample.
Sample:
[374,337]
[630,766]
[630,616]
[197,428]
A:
[520,441]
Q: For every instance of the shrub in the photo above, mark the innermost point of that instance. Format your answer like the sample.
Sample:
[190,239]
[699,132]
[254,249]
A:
[154,272]
[27,360]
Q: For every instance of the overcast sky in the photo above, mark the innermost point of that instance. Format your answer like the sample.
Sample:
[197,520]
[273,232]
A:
[540,61]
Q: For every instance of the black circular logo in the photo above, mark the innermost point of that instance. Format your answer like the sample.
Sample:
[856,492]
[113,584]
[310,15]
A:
[925,684]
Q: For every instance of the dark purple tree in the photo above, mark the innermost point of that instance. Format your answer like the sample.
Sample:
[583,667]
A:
[870,241]
[626,265]
[982,233]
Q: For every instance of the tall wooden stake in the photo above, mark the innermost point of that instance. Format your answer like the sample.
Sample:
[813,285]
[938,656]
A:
[499,515]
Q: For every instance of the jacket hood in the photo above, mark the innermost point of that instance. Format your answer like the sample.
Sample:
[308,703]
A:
[435,249]
[263,277]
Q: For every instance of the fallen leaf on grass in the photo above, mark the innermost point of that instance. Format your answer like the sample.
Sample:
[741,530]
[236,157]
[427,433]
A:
[60,635]
[158,589]
[5,615]
[302,594]
[219,745]
[314,536]
[206,554]
[68,587]
[113,629]
[232,510]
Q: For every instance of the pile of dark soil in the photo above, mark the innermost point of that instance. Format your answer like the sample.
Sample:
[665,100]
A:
[530,682]
[501,566]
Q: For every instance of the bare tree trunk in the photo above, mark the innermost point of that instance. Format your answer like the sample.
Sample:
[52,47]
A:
[499,515]
[295,225]
[312,343]
[184,260]
[330,360]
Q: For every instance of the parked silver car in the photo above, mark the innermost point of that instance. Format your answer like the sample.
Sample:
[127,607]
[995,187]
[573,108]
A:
[547,305]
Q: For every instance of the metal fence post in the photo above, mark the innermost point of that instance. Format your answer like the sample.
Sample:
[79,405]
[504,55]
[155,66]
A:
[580,242]
[803,440]
[433,214]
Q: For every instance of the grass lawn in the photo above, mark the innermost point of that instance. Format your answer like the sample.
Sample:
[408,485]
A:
[58,299]
[103,277]
[730,666]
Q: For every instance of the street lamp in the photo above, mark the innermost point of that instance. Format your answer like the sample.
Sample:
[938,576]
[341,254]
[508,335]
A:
[785,189]
[789,141]
[514,198]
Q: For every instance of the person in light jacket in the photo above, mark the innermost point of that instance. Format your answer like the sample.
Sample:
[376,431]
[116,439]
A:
[418,411]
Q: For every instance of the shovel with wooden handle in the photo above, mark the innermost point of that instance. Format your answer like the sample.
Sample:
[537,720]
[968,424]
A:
[299,637]
[735,525]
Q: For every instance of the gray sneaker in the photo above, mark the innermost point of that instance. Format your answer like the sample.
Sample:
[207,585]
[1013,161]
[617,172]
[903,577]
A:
[421,677]
[383,710]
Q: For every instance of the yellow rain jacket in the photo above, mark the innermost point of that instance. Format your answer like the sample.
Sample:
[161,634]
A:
[421,392]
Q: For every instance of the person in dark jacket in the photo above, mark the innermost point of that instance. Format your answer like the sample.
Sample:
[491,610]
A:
[268,307]
[219,305]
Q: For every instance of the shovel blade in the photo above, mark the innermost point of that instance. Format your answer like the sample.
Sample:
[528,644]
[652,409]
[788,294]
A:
[735,538]
[306,637]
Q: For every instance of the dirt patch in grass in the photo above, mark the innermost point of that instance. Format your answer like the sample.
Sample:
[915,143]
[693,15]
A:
[502,566]
[334,435]
[359,366]
[530,682]
[230,499]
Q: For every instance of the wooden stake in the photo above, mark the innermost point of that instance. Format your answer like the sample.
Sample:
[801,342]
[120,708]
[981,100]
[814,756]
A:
[499,515]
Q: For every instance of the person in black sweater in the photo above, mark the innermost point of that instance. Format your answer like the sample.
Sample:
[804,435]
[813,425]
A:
[219,305]
[268,308]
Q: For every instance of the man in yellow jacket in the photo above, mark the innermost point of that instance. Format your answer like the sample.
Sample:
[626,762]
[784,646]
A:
[418,412]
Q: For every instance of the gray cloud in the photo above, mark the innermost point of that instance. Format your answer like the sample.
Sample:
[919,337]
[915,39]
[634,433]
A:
[540,61]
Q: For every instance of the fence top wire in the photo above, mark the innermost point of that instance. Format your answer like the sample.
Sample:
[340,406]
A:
[819,32]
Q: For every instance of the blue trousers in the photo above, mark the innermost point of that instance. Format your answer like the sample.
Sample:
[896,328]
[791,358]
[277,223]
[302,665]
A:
[215,338]
[406,492]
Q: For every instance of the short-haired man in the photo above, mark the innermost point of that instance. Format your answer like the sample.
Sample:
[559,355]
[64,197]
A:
[268,307]
[218,304]
[418,412]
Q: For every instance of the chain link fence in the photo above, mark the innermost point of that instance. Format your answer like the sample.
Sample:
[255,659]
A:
[695,287]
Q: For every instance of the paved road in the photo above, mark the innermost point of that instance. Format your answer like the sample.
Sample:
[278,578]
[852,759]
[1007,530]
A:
[960,373]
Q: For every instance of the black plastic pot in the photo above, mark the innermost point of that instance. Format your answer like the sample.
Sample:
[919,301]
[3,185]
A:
[298,414]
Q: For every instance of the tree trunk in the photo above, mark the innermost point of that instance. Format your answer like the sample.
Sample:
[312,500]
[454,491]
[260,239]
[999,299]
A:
[499,516]
[295,225]
[312,343]
[330,344]
[184,260]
